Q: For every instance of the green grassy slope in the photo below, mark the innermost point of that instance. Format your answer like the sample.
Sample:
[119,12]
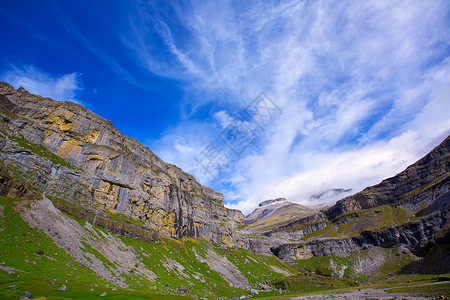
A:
[371,268]
[41,267]
[354,222]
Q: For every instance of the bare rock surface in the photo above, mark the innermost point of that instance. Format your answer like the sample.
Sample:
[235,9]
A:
[63,288]
[225,268]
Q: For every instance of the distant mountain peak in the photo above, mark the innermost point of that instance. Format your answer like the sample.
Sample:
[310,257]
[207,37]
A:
[274,201]
[275,212]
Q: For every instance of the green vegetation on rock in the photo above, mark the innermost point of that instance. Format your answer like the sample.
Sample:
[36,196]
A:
[41,151]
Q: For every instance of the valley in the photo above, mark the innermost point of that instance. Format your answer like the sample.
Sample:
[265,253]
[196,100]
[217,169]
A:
[85,207]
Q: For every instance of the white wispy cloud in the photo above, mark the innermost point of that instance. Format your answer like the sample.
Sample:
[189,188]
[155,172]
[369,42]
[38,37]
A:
[223,118]
[363,86]
[62,88]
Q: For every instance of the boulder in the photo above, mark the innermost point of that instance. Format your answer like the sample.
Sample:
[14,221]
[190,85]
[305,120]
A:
[183,289]
[264,287]
[63,288]
[254,292]
[27,295]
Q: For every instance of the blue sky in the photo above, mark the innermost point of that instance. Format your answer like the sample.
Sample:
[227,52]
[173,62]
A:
[361,88]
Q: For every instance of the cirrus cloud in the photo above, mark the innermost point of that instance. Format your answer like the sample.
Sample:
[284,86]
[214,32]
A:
[360,85]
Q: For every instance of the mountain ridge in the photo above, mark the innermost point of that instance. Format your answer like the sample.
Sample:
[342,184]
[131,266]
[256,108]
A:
[116,171]
[406,187]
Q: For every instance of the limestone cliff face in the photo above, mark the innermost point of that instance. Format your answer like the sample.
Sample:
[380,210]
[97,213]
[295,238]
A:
[69,153]
[425,182]
[413,235]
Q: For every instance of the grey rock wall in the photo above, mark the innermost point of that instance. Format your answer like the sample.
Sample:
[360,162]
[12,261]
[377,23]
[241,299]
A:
[70,153]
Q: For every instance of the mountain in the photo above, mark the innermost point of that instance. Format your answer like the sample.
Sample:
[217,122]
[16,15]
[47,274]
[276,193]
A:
[424,184]
[87,211]
[85,208]
[406,210]
[91,170]
[274,214]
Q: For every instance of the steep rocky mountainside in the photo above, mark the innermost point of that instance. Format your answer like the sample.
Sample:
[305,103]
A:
[421,184]
[413,235]
[67,174]
[90,170]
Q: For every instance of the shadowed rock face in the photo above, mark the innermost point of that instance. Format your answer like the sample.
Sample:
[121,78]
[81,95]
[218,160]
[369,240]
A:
[426,181]
[70,153]
[413,235]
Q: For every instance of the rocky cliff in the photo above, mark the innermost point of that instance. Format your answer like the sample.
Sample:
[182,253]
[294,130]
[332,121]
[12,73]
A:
[412,235]
[420,185]
[89,169]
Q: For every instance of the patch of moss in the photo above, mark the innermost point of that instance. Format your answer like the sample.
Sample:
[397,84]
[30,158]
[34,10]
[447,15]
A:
[312,282]
[328,231]
[41,151]
[372,219]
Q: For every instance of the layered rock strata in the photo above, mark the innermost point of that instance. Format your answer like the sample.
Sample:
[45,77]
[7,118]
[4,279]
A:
[413,235]
[87,167]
